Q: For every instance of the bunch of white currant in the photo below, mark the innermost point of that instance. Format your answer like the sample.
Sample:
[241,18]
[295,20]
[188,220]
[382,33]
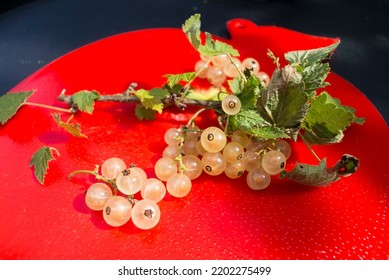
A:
[119,209]
[191,151]
[218,69]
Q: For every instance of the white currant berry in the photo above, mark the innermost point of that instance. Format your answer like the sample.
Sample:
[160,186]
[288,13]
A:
[117,211]
[112,167]
[233,151]
[153,189]
[145,214]
[234,169]
[213,163]
[179,185]
[258,179]
[273,162]
[130,181]
[252,64]
[164,168]
[97,195]
[231,105]
[213,139]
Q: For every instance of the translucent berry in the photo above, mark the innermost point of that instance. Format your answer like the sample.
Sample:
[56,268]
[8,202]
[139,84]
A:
[219,60]
[241,137]
[213,139]
[233,151]
[203,66]
[199,148]
[173,136]
[251,160]
[252,64]
[117,211]
[145,214]
[192,166]
[230,69]
[216,76]
[97,195]
[213,163]
[231,105]
[234,169]
[164,168]
[189,148]
[112,167]
[264,77]
[284,147]
[153,189]
[171,152]
[179,185]
[258,179]
[273,162]
[129,181]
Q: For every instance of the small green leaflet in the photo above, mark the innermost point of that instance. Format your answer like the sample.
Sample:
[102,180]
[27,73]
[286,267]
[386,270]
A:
[152,99]
[251,91]
[211,47]
[85,100]
[11,102]
[284,104]
[311,175]
[191,28]
[327,119]
[215,47]
[40,160]
[176,78]
[305,58]
[73,128]
[143,113]
[321,175]
[310,64]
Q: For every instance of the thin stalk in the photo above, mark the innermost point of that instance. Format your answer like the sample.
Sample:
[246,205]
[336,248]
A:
[70,110]
[237,68]
[309,147]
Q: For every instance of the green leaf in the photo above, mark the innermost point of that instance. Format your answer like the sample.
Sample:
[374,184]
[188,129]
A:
[191,28]
[305,58]
[85,100]
[215,47]
[10,103]
[174,79]
[268,132]
[143,113]
[284,104]
[152,99]
[251,91]
[310,64]
[312,175]
[40,160]
[251,122]
[73,128]
[327,119]
[236,85]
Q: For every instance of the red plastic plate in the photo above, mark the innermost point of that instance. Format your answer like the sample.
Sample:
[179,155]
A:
[221,218]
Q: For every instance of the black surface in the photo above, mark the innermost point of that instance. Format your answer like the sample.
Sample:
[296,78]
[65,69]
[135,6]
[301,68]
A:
[38,32]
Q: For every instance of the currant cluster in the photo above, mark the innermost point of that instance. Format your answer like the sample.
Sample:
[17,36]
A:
[119,209]
[191,151]
[218,68]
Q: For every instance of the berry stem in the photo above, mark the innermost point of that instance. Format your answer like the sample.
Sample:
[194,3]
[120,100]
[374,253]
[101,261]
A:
[309,147]
[237,68]
[70,110]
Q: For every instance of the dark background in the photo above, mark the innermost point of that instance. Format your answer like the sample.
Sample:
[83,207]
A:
[33,33]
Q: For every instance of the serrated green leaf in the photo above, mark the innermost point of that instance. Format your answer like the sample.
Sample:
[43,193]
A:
[85,100]
[10,103]
[215,47]
[40,160]
[327,119]
[152,99]
[314,77]
[312,175]
[174,79]
[246,120]
[251,91]
[236,85]
[268,132]
[284,104]
[191,28]
[73,128]
[305,58]
[143,113]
